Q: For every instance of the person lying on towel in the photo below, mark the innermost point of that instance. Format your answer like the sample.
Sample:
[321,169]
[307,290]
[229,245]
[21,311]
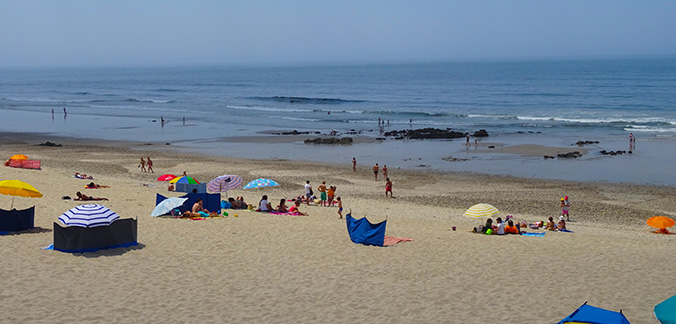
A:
[81,196]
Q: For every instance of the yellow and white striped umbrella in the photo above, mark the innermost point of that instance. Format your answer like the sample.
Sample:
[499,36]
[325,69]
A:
[481,211]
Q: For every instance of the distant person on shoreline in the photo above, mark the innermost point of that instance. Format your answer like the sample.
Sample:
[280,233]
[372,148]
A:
[150,165]
[388,187]
[142,165]
[375,171]
[632,142]
[384,171]
[354,164]
[467,136]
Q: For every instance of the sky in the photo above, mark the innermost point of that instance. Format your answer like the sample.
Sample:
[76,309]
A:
[165,32]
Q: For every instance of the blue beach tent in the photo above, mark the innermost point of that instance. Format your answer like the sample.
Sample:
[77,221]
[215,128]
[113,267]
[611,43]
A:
[212,202]
[364,232]
[666,311]
[595,315]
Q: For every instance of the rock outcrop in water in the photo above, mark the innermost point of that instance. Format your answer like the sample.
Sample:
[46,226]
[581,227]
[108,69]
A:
[329,140]
[427,133]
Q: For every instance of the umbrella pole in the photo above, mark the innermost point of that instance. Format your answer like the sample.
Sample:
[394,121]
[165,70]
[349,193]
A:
[12,207]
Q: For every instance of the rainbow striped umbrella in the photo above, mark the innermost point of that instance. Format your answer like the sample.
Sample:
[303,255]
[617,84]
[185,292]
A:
[224,183]
[260,183]
[184,179]
[479,211]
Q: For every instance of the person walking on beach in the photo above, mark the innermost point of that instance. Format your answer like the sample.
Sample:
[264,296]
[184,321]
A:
[565,206]
[150,165]
[340,207]
[142,165]
[467,136]
[375,171]
[308,192]
[384,171]
[354,164]
[388,187]
[632,142]
[322,193]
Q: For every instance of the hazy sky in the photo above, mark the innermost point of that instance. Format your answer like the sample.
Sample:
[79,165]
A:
[66,32]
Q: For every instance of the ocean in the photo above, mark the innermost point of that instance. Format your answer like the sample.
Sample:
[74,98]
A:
[543,102]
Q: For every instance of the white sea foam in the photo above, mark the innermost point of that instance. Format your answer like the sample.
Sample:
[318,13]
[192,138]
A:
[269,109]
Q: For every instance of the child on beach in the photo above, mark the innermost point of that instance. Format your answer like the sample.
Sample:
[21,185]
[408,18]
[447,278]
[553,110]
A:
[565,205]
[388,187]
[294,209]
[354,164]
[340,207]
[331,192]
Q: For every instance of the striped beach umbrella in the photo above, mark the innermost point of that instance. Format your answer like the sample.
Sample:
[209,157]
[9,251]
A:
[260,183]
[224,183]
[184,179]
[89,215]
[479,211]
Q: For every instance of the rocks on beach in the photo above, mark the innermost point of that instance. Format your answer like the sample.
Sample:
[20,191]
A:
[50,144]
[583,143]
[618,152]
[329,140]
[569,155]
[428,133]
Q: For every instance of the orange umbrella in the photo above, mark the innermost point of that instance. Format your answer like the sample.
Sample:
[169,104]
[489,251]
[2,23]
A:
[661,222]
[19,157]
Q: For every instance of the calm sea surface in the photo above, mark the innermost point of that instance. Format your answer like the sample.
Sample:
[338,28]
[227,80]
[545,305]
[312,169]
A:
[545,102]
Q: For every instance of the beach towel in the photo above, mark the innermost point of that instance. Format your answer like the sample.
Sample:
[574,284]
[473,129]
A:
[389,240]
[533,234]
[566,231]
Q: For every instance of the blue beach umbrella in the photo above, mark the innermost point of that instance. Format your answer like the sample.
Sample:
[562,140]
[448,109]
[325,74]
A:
[89,215]
[167,205]
[224,183]
[260,183]
[666,311]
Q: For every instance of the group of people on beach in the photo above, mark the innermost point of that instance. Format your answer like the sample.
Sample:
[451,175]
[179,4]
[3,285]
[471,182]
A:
[388,182]
[327,196]
[145,163]
[512,227]
[265,206]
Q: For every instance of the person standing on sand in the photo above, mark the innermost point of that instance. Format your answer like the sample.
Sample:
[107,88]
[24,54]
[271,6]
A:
[565,205]
[322,193]
[340,207]
[143,165]
[384,171]
[467,136]
[354,164]
[150,165]
[388,187]
[375,171]
[308,192]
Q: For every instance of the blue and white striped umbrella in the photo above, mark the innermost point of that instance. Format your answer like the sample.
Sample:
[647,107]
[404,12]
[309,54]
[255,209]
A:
[224,183]
[89,215]
[260,183]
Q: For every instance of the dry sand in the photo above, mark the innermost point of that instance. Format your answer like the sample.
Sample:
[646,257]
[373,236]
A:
[259,268]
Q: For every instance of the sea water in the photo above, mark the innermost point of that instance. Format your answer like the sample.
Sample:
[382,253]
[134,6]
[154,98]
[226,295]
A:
[545,102]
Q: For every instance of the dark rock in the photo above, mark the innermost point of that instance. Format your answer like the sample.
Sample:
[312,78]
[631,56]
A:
[452,159]
[481,133]
[582,143]
[492,146]
[380,138]
[548,157]
[425,133]
[50,144]
[294,132]
[329,140]
[569,155]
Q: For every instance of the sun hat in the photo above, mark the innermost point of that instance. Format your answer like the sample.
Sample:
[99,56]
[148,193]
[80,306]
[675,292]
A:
[562,199]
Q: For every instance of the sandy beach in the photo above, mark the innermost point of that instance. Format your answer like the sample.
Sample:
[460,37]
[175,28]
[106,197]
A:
[260,268]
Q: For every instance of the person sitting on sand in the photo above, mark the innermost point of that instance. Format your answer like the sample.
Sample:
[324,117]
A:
[562,223]
[511,228]
[264,205]
[294,208]
[550,225]
[488,226]
[282,207]
[501,227]
[234,203]
[199,210]
[81,196]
